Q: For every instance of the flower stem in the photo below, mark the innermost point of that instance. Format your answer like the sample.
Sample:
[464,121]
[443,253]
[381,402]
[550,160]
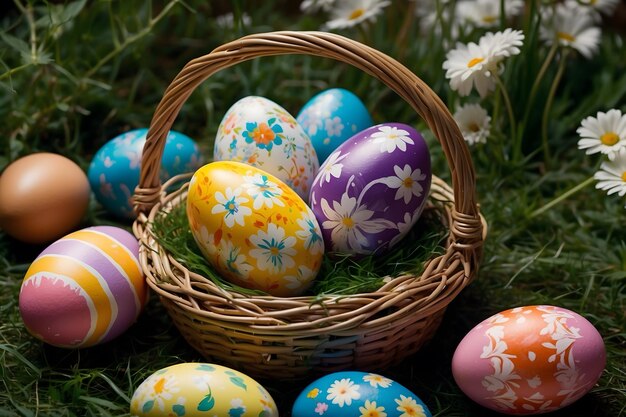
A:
[548,108]
[562,197]
[533,92]
[507,103]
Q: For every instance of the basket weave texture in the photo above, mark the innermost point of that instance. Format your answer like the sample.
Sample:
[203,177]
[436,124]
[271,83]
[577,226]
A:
[295,337]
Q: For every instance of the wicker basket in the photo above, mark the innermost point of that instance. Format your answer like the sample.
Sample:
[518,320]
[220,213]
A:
[294,337]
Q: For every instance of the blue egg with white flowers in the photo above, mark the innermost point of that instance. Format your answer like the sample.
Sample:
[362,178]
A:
[114,170]
[331,117]
[357,394]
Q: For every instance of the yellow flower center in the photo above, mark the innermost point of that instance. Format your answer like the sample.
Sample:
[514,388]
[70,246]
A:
[274,251]
[473,127]
[408,182]
[624,176]
[159,386]
[348,222]
[609,138]
[565,36]
[475,61]
[356,14]
[489,19]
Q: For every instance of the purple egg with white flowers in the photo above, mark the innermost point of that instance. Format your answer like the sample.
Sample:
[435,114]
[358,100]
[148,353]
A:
[372,189]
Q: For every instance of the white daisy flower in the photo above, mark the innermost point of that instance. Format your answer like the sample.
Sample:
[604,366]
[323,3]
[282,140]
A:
[273,251]
[594,7]
[486,13]
[209,241]
[409,407]
[202,381]
[333,126]
[343,391]
[231,205]
[263,191]
[312,6]
[330,168]
[371,409]
[474,123]
[612,176]
[569,28]
[309,233]
[473,64]
[407,182]
[234,260]
[349,13]
[404,226]
[349,224]
[605,133]
[163,389]
[390,138]
[376,380]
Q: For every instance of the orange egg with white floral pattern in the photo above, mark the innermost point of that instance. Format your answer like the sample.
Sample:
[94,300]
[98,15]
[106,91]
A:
[254,229]
[529,360]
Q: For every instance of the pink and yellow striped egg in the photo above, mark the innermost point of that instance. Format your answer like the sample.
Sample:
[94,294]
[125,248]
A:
[84,289]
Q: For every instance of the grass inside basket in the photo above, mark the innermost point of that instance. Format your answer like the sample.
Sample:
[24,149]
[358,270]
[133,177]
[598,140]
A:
[340,274]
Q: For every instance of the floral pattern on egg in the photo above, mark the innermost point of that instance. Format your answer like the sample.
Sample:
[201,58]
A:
[357,394]
[372,189]
[331,117]
[114,171]
[529,360]
[259,132]
[195,389]
[253,229]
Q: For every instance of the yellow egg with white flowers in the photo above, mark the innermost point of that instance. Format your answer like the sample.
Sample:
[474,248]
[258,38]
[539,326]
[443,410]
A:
[253,229]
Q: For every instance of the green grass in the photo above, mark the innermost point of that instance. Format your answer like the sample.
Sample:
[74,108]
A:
[339,274]
[92,71]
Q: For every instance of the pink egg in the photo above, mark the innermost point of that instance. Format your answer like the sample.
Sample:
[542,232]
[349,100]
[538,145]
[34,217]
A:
[529,360]
[84,289]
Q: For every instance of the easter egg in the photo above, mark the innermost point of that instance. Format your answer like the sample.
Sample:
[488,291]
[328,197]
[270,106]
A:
[84,289]
[43,196]
[529,360]
[254,229]
[201,389]
[259,132]
[115,168]
[331,117]
[357,394]
[372,189]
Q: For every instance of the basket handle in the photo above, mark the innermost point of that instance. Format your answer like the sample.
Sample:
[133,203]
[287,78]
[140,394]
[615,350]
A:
[395,75]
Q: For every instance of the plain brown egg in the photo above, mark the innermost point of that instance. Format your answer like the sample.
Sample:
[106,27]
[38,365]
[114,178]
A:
[43,196]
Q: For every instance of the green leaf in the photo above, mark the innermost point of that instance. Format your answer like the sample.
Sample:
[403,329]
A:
[147,406]
[179,409]
[72,10]
[207,403]
[18,44]
[238,381]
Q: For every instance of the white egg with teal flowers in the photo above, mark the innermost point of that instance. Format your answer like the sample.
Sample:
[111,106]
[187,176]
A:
[331,117]
[115,168]
[258,132]
[201,389]
[357,394]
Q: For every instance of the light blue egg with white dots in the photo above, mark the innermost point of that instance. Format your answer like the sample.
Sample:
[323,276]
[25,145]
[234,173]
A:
[331,117]
[114,170]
